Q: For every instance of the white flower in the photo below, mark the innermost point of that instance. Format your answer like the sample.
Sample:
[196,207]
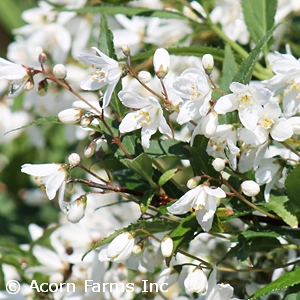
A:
[224,139]
[161,62]
[51,176]
[76,210]
[168,276]
[196,282]
[17,74]
[60,71]
[217,291]
[287,78]
[247,100]
[203,199]
[149,117]
[250,188]
[120,247]
[193,87]
[74,159]
[70,115]
[208,63]
[107,71]
[144,76]
[166,246]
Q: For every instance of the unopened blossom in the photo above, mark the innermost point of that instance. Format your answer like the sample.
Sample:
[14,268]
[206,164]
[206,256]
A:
[120,247]
[218,164]
[74,159]
[50,176]
[195,90]
[106,71]
[166,246]
[287,79]
[161,62]
[149,116]
[144,76]
[76,210]
[208,63]
[247,100]
[201,198]
[250,188]
[70,115]
[17,74]
[196,282]
[60,71]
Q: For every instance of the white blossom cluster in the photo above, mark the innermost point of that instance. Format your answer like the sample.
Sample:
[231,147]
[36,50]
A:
[51,60]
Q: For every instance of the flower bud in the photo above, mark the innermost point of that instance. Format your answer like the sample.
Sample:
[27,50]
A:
[208,63]
[60,71]
[42,87]
[74,160]
[193,182]
[90,149]
[70,115]
[85,122]
[161,62]
[168,276]
[218,164]
[29,85]
[120,247]
[126,50]
[144,76]
[42,58]
[196,282]
[137,249]
[250,188]
[166,246]
[77,210]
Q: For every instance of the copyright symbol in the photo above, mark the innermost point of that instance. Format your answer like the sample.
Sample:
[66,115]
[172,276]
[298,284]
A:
[13,287]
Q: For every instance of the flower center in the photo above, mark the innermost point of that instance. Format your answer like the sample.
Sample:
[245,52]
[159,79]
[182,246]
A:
[266,122]
[218,143]
[293,86]
[244,100]
[144,117]
[98,74]
[193,91]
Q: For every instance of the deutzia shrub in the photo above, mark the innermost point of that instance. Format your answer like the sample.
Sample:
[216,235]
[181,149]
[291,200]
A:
[166,134]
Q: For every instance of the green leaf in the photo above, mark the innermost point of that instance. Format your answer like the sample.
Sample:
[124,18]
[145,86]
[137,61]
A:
[246,69]
[167,176]
[143,166]
[288,279]
[146,200]
[259,17]
[40,121]
[242,248]
[284,208]
[153,226]
[292,293]
[185,232]
[292,185]
[230,67]
[105,42]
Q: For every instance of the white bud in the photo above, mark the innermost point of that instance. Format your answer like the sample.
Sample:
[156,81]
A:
[196,282]
[101,145]
[70,115]
[120,247]
[144,76]
[137,250]
[209,124]
[74,159]
[161,62]
[28,85]
[85,122]
[126,50]
[218,164]
[250,188]
[90,149]
[166,246]
[77,210]
[193,182]
[60,71]
[168,276]
[42,58]
[208,63]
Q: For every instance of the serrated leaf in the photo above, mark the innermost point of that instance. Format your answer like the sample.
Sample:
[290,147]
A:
[242,248]
[292,185]
[153,226]
[230,68]
[105,42]
[146,200]
[185,232]
[292,293]
[247,66]
[288,279]
[167,176]
[40,121]
[259,17]
[283,208]
[143,166]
